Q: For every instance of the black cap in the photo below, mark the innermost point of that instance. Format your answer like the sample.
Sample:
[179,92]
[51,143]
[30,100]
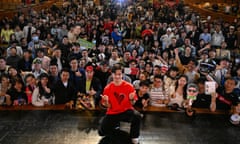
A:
[105,62]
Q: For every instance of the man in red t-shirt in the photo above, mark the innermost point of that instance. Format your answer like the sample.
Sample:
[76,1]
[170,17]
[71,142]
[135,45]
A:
[119,97]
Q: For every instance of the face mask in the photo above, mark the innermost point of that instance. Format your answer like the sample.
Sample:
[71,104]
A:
[119,44]
[35,38]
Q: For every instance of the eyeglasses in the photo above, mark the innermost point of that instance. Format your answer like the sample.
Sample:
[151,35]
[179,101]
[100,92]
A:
[191,90]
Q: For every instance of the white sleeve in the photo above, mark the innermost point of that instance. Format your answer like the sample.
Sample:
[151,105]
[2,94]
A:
[35,98]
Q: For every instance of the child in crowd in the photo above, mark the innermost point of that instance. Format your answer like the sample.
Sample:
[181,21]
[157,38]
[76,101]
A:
[143,95]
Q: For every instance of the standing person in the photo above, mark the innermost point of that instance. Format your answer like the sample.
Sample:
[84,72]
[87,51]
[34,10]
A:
[119,97]
[91,85]
[64,90]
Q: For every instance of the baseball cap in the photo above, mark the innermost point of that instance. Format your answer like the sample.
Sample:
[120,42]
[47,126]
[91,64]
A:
[89,68]
[205,52]
[105,62]
[37,61]
[232,27]
[164,68]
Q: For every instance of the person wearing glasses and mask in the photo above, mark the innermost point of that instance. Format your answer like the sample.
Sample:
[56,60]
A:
[192,92]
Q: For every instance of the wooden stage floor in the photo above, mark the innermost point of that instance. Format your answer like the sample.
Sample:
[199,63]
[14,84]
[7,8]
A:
[75,127]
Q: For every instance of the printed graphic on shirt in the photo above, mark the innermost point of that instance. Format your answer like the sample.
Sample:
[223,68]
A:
[119,97]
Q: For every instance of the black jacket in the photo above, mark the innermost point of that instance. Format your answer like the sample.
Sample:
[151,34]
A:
[64,94]
[95,84]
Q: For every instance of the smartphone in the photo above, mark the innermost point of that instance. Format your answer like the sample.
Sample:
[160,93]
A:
[210,87]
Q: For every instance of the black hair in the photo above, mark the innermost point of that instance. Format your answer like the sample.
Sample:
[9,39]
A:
[16,80]
[232,79]
[27,50]
[3,58]
[76,44]
[173,68]
[64,70]
[144,83]
[53,62]
[201,80]
[73,58]
[158,77]
[157,66]
[27,76]
[149,63]
[194,61]
[42,91]
[4,76]
[43,75]
[116,67]
[184,88]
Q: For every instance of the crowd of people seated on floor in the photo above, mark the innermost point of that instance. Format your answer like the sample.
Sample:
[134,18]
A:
[163,50]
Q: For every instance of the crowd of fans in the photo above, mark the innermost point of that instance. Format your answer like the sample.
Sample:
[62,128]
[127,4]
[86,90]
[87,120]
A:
[162,50]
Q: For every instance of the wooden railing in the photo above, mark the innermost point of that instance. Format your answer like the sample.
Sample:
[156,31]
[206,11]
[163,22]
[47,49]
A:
[10,9]
[196,7]
[63,107]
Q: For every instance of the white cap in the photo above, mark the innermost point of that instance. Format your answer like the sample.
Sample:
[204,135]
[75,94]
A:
[209,17]
[169,29]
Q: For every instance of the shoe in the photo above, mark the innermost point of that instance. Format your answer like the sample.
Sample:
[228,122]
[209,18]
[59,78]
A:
[235,119]
[135,141]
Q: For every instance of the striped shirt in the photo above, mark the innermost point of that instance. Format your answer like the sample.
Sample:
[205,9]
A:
[157,94]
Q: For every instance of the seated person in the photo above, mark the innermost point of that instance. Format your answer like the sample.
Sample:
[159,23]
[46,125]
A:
[17,93]
[64,90]
[42,94]
[143,95]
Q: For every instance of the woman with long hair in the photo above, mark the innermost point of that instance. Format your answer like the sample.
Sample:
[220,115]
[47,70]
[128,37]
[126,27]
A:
[42,94]
[179,95]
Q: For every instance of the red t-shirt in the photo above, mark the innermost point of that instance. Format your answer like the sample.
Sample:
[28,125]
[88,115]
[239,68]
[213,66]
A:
[118,97]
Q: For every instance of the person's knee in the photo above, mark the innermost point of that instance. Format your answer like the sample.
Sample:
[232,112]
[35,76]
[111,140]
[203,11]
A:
[106,129]
[137,116]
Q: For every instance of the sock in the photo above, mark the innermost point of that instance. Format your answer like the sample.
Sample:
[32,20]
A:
[135,140]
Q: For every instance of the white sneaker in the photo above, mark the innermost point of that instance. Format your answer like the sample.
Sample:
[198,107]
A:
[235,119]
[135,141]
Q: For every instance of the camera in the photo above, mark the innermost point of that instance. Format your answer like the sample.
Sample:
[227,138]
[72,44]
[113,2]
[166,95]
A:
[207,67]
